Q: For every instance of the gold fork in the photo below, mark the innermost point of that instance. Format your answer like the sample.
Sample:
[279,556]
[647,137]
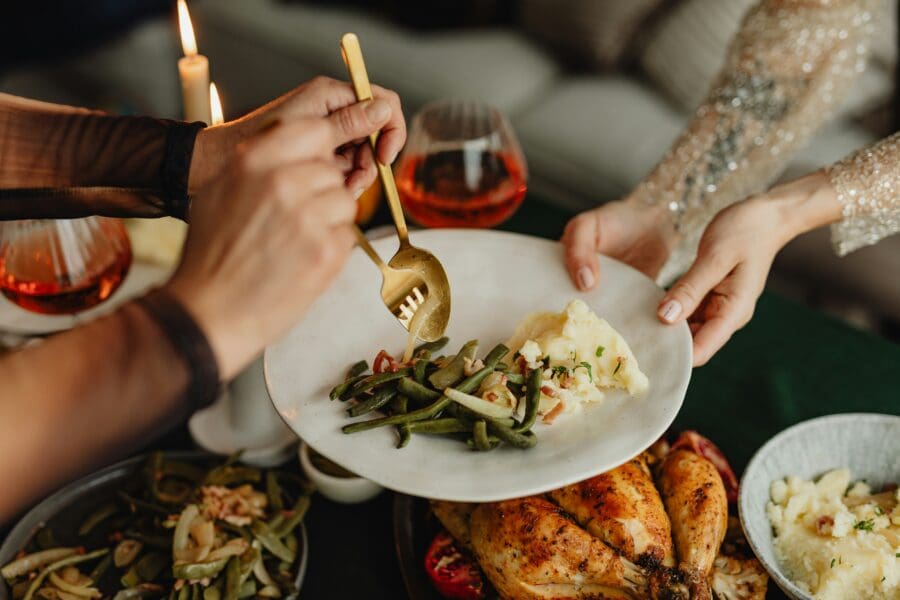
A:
[402,290]
[433,320]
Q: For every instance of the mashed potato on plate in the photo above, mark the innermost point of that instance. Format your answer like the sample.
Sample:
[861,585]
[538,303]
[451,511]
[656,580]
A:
[837,540]
[581,355]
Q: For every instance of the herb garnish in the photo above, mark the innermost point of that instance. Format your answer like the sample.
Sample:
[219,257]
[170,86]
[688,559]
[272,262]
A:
[559,370]
[866,525]
[587,367]
[618,365]
[832,563]
[599,352]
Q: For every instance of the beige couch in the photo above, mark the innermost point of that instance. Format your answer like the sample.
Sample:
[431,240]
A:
[587,137]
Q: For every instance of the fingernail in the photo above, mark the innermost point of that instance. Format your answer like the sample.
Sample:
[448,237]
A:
[586,278]
[378,110]
[393,157]
[669,311]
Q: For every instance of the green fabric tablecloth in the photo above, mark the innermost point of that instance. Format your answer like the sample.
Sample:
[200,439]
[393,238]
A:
[789,364]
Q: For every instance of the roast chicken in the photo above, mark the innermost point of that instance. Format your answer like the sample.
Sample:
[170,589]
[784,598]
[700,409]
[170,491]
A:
[619,535]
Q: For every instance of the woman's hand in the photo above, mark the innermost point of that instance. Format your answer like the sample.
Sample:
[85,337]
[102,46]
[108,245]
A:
[628,230]
[718,293]
[271,234]
[319,97]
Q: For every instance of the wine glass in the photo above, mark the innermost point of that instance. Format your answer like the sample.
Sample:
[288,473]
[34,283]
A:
[462,166]
[61,266]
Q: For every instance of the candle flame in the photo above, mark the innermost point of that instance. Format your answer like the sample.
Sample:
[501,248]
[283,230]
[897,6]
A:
[215,105]
[188,42]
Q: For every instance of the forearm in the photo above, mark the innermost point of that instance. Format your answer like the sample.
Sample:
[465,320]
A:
[64,161]
[867,187]
[81,398]
[788,67]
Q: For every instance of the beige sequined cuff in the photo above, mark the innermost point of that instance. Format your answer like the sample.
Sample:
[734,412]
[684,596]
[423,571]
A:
[868,187]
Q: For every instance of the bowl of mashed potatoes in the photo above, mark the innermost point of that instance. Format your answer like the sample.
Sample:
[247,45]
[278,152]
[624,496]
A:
[820,507]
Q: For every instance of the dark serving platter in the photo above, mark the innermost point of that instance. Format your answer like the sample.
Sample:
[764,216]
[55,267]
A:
[68,506]
[414,528]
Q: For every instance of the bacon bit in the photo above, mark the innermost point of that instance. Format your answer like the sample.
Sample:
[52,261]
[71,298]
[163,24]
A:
[548,391]
[889,487]
[523,365]
[691,440]
[566,382]
[385,362]
[824,525]
[490,396]
[116,536]
[21,554]
[557,410]
[80,550]
[504,380]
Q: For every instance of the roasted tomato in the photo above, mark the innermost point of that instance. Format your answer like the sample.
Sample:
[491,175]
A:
[455,574]
[384,362]
[691,440]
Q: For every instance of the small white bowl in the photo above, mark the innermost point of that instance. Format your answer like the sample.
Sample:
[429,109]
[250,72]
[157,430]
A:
[346,490]
[867,444]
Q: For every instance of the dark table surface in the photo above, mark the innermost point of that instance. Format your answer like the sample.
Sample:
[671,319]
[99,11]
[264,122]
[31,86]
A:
[789,364]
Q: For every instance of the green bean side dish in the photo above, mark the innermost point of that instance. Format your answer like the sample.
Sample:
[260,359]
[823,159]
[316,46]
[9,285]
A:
[173,530]
[436,396]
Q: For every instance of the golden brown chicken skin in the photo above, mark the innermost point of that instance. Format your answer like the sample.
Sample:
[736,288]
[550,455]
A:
[530,550]
[623,508]
[455,517]
[695,501]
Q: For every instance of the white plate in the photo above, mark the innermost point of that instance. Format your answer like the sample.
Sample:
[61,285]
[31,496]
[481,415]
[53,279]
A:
[497,278]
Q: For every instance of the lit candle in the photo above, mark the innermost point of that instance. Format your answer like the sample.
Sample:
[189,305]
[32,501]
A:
[215,106]
[193,70]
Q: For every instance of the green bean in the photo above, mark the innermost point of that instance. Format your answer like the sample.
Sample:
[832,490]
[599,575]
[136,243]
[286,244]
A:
[46,539]
[399,405]
[290,540]
[416,391]
[405,434]
[248,588]
[431,347]
[98,516]
[512,437]
[419,369]
[35,560]
[183,470]
[101,568]
[273,491]
[473,381]
[440,426]
[453,372]
[136,503]
[162,542]
[501,366]
[496,355]
[247,560]
[151,565]
[184,593]
[298,512]
[271,542]
[65,562]
[233,458]
[480,435]
[213,592]
[232,579]
[199,570]
[515,378]
[493,442]
[341,389]
[196,592]
[232,474]
[376,401]
[532,401]
[416,415]
[357,368]
[152,474]
[276,521]
[375,380]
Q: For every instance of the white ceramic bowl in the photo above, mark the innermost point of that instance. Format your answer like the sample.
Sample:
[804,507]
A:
[867,444]
[346,490]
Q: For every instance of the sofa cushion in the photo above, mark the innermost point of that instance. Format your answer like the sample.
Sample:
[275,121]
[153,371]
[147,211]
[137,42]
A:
[259,48]
[592,33]
[592,139]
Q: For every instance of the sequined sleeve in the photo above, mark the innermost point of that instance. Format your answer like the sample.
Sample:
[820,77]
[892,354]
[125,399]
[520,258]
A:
[786,69]
[868,187]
